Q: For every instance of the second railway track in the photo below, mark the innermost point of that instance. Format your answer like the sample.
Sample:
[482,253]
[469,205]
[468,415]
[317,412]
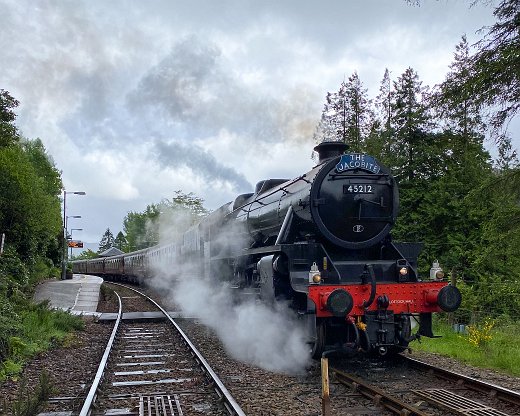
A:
[411,387]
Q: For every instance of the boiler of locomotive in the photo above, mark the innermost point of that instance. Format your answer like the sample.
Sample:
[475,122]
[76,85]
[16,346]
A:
[348,199]
[354,200]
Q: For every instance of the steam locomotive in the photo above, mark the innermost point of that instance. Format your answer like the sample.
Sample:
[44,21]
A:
[321,243]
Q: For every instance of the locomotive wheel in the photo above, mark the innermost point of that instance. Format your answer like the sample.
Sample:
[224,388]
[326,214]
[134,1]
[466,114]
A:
[319,343]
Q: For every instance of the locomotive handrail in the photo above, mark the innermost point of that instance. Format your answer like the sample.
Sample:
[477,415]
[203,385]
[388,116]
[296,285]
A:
[286,227]
[346,174]
[373,286]
[283,188]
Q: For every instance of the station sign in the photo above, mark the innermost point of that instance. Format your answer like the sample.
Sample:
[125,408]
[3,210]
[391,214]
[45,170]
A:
[76,244]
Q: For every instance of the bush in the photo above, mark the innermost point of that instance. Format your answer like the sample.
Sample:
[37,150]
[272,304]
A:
[29,402]
[12,268]
[9,325]
[35,328]
[43,269]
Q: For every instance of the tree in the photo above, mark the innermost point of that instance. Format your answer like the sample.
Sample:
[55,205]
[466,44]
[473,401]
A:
[463,114]
[187,202]
[44,166]
[379,139]
[357,114]
[384,102]
[411,121]
[107,241]
[492,77]
[8,131]
[507,156]
[29,215]
[86,255]
[120,241]
[179,213]
[328,125]
[346,115]
[141,228]
[163,221]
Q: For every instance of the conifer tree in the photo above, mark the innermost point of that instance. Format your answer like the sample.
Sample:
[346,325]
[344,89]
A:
[357,114]
[410,120]
[327,127]
[107,241]
[346,115]
[461,115]
[383,102]
[378,141]
[120,241]
[491,76]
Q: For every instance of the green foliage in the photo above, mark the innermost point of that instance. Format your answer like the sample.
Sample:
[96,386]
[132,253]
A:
[120,241]
[43,269]
[172,216]
[43,166]
[500,350]
[346,116]
[87,254]
[33,329]
[10,324]
[466,213]
[29,402]
[29,207]
[491,76]
[139,230]
[12,268]
[30,217]
[8,132]
[107,241]
[10,368]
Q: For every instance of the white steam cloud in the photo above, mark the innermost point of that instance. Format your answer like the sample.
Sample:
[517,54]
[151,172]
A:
[266,335]
[269,337]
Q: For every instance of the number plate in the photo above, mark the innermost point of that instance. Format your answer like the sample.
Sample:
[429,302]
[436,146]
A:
[358,189]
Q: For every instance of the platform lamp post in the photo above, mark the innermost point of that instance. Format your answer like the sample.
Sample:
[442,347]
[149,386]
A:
[67,234]
[65,239]
[73,229]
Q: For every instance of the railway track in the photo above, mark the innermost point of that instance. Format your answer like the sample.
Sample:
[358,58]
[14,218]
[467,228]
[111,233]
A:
[456,402]
[150,367]
[436,391]
[152,382]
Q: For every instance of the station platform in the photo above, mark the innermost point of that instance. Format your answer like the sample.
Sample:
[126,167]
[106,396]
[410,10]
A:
[78,295]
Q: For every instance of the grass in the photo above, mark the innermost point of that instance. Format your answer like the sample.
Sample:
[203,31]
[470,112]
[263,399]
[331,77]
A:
[39,329]
[30,402]
[496,348]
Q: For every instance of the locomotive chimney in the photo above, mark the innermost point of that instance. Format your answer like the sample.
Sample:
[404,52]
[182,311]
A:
[327,150]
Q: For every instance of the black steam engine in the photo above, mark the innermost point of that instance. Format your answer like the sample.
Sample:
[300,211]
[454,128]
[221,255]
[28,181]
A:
[321,243]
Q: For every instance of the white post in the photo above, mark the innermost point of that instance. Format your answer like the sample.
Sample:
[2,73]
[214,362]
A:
[2,244]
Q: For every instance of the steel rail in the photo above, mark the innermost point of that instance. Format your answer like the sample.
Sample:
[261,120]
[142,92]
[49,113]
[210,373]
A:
[380,397]
[91,396]
[501,393]
[229,402]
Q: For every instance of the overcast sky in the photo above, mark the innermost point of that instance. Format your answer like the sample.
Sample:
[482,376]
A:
[135,100]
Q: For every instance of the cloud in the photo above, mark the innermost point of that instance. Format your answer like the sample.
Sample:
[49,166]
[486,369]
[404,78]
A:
[186,94]
[195,90]
[177,154]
